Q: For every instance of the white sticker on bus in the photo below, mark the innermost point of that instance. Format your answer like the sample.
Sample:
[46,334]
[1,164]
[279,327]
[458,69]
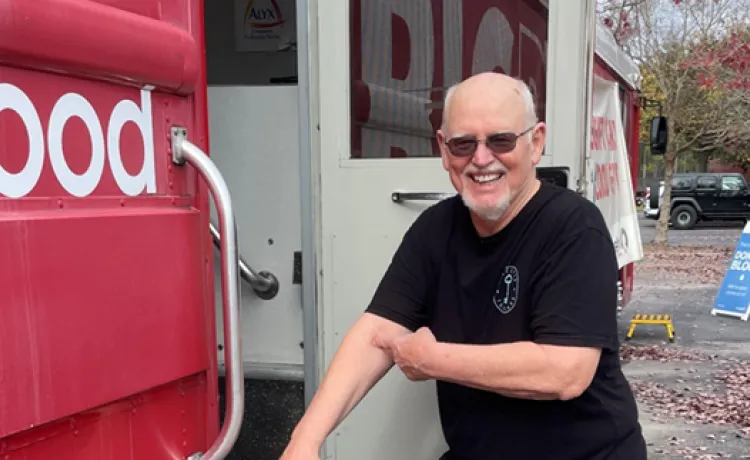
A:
[18,185]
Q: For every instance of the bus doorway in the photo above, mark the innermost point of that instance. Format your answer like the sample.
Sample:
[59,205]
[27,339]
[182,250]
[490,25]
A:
[251,68]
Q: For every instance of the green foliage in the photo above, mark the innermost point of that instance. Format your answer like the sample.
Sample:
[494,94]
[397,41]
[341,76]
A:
[649,90]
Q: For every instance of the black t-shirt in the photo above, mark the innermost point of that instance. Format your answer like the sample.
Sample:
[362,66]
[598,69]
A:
[550,277]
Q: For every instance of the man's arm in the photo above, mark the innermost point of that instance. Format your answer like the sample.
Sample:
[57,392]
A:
[356,367]
[573,317]
[396,309]
[521,370]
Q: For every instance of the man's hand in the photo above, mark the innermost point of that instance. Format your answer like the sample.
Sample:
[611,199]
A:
[411,352]
[300,451]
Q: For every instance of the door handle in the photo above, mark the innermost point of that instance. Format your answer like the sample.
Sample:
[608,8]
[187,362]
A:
[184,151]
[400,197]
[264,283]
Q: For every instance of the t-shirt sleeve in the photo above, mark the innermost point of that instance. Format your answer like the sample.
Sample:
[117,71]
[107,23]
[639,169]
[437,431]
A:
[575,293]
[402,295]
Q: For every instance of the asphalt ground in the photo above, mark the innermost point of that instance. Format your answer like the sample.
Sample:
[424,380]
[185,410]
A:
[705,233]
[693,394]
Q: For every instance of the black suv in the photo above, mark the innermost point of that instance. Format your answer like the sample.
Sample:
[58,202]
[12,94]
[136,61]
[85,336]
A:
[703,196]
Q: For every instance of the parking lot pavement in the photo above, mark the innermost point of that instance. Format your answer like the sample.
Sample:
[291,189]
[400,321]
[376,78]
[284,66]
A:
[681,389]
[704,233]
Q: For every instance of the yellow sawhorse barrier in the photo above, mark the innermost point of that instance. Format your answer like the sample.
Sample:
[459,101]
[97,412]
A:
[658,319]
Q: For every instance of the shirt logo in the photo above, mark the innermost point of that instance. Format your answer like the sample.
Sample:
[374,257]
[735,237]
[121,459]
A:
[506,293]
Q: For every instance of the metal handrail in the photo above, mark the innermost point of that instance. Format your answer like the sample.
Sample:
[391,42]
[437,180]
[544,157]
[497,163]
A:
[264,283]
[184,151]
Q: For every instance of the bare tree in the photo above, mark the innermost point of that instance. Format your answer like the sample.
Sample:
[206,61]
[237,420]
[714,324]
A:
[682,44]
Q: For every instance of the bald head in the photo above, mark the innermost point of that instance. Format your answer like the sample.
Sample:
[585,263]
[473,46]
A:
[505,92]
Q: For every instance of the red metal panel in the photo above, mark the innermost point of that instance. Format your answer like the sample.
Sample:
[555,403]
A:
[97,305]
[155,112]
[602,70]
[164,423]
[107,332]
[202,196]
[634,135]
[91,39]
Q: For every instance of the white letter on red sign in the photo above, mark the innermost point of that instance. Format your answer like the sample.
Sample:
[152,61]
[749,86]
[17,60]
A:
[19,184]
[68,106]
[124,112]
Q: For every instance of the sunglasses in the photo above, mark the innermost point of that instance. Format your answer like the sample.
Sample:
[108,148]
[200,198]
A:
[465,146]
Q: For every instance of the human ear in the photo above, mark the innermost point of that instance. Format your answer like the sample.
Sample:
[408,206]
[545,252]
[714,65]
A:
[443,149]
[538,139]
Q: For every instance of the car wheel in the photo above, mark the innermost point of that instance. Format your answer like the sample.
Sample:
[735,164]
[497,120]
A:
[684,217]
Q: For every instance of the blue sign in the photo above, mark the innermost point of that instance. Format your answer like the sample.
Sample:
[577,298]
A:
[733,298]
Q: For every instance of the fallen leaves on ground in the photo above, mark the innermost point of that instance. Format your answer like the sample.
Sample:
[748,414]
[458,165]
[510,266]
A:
[679,447]
[722,399]
[706,389]
[683,265]
[706,403]
[659,353]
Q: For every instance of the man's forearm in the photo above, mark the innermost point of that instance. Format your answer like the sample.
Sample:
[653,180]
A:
[356,367]
[520,369]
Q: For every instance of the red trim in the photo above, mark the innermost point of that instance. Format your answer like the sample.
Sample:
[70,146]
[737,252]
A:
[87,39]
[163,422]
[137,333]
[201,137]
[635,138]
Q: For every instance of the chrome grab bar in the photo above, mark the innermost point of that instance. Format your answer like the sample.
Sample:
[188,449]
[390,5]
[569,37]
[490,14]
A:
[183,151]
[400,197]
[264,283]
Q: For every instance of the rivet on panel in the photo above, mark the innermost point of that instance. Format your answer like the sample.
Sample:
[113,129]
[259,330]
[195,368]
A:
[60,203]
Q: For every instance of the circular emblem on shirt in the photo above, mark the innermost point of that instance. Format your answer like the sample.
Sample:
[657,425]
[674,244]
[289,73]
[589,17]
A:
[506,293]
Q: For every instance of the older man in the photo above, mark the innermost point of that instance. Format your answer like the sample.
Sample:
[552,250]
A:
[506,296]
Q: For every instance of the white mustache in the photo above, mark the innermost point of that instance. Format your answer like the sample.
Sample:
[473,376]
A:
[493,168]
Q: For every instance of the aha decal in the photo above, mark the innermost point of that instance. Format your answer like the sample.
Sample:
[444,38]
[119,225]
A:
[105,144]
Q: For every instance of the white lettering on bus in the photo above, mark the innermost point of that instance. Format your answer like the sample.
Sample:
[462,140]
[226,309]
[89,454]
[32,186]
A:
[18,185]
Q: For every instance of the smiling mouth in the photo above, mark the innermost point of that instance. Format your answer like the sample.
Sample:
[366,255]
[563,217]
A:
[486,178]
